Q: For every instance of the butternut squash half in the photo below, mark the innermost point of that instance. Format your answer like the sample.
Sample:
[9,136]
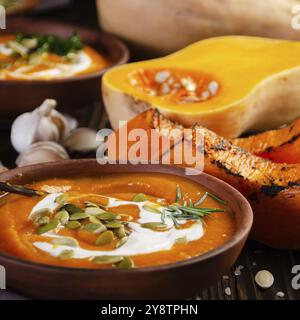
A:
[228,84]
[273,189]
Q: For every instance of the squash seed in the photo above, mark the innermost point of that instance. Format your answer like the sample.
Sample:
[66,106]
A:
[93,219]
[151,208]
[73,225]
[65,241]
[96,228]
[120,232]
[182,240]
[40,213]
[108,216]
[93,211]
[121,242]
[113,225]
[71,208]
[264,279]
[105,238]
[155,226]
[90,204]
[42,221]
[66,254]
[78,216]
[62,216]
[62,199]
[139,197]
[53,224]
[107,259]
[126,263]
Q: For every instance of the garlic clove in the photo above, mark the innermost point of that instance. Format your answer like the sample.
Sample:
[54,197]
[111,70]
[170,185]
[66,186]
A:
[47,131]
[39,152]
[23,130]
[82,140]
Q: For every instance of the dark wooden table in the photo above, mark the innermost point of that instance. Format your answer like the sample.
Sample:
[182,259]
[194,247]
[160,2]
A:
[254,257]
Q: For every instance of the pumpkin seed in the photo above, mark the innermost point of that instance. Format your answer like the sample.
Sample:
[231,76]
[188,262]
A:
[62,216]
[120,232]
[182,240]
[105,238]
[62,199]
[108,216]
[42,221]
[126,263]
[151,208]
[96,228]
[65,241]
[155,226]
[40,213]
[93,219]
[93,211]
[113,225]
[66,254]
[53,224]
[73,225]
[107,259]
[71,208]
[121,242]
[78,216]
[139,197]
[91,204]
[264,279]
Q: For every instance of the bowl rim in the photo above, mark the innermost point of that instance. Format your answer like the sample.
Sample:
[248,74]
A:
[239,235]
[116,42]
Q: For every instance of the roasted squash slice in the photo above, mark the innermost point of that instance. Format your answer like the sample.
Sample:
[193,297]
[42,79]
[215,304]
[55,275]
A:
[228,84]
[273,189]
[282,145]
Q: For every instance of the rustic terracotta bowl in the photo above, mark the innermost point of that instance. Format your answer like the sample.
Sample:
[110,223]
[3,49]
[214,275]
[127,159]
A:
[19,96]
[178,280]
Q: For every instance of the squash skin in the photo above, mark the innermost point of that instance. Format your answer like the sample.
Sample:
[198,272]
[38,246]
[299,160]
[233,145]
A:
[264,99]
[272,189]
[281,145]
[168,25]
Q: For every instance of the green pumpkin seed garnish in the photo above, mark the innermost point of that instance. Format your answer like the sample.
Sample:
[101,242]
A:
[105,237]
[120,232]
[155,226]
[93,211]
[182,240]
[40,213]
[73,225]
[126,263]
[53,224]
[42,221]
[113,225]
[71,208]
[78,216]
[108,216]
[107,259]
[96,228]
[65,241]
[62,199]
[151,208]
[93,219]
[121,242]
[90,204]
[66,254]
[62,216]
[139,197]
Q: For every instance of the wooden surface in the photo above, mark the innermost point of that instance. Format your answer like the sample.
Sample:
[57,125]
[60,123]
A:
[254,257]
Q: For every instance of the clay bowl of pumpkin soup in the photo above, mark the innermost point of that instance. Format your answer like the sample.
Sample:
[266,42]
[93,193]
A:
[40,59]
[119,231]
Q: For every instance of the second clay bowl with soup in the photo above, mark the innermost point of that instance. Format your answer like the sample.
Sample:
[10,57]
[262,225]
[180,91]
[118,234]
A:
[67,66]
[119,231]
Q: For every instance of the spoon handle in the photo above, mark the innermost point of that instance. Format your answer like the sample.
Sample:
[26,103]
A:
[13,188]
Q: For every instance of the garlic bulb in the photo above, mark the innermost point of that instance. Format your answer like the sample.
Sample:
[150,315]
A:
[44,151]
[42,124]
[82,140]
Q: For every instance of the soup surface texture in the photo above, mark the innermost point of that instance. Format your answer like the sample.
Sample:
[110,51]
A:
[115,220]
[18,61]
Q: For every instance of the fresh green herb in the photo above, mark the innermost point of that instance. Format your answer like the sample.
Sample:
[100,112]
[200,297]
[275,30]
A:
[213,196]
[178,194]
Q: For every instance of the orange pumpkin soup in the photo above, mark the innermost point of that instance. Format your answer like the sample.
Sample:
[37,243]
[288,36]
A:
[119,220]
[39,57]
